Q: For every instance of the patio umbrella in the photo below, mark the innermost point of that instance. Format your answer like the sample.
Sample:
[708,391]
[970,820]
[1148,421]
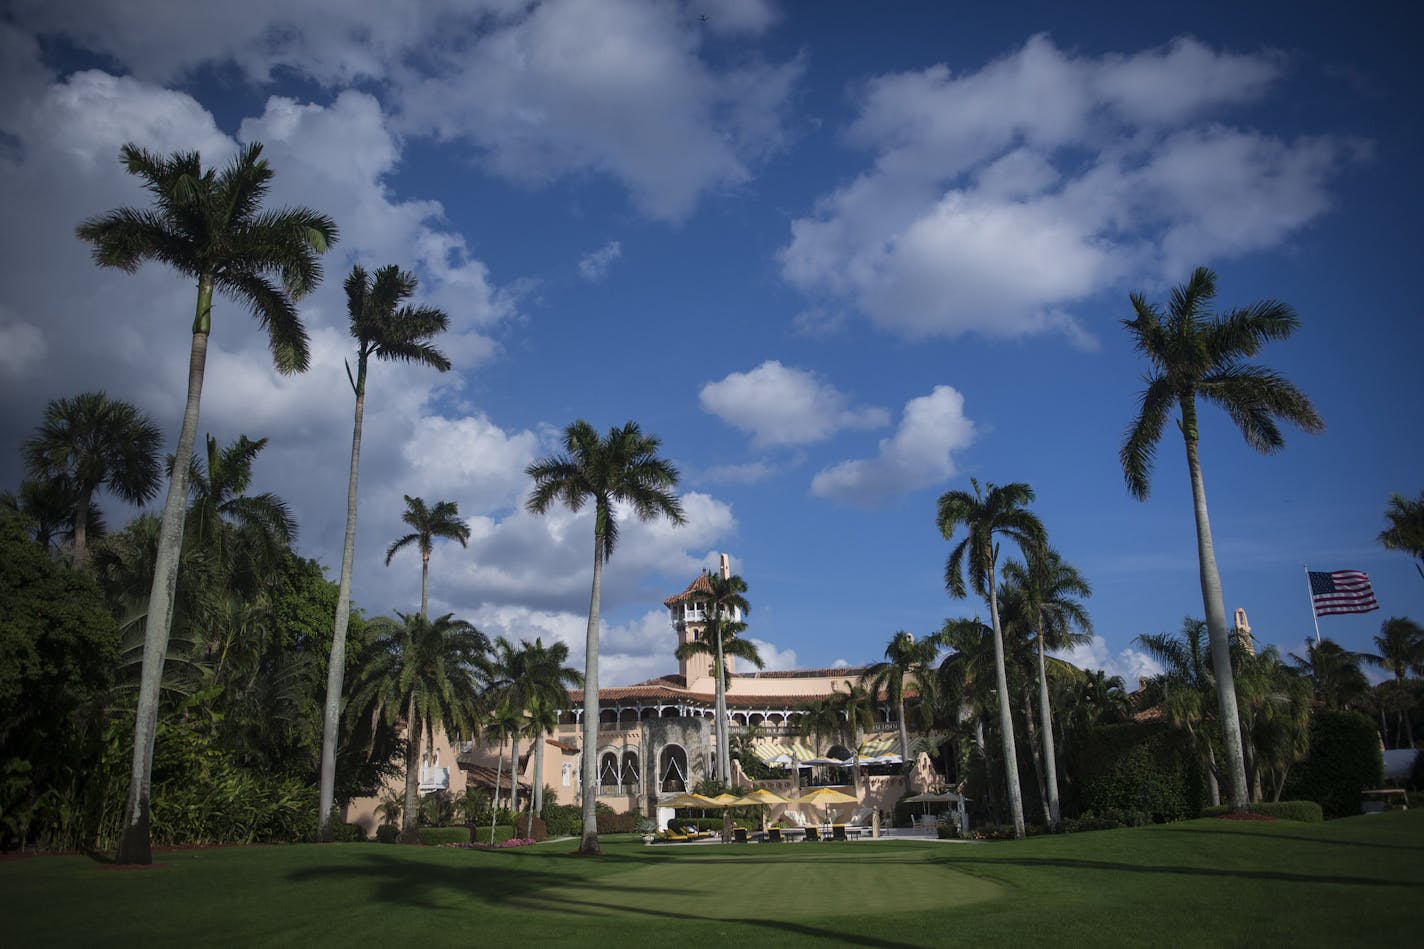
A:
[762,796]
[688,800]
[825,797]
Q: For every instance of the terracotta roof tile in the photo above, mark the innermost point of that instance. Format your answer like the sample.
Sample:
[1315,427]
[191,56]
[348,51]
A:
[703,585]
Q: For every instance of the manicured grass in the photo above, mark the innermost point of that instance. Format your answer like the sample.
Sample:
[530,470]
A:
[1210,882]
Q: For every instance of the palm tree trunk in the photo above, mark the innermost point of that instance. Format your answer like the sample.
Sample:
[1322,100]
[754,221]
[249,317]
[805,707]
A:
[588,844]
[498,773]
[1214,603]
[1006,719]
[134,841]
[982,746]
[904,732]
[538,790]
[514,773]
[724,759]
[1050,753]
[81,527]
[1213,788]
[1035,755]
[410,819]
[424,584]
[336,664]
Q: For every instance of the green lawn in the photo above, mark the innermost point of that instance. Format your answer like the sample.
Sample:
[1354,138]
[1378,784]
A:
[1209,882]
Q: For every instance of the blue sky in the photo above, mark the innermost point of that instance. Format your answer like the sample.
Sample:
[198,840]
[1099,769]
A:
[840,257]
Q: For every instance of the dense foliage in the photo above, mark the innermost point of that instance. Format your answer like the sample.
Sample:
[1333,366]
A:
[1140,767]
[1344,759]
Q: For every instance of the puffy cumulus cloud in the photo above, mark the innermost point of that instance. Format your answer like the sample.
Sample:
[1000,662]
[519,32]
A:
[781,405]
[775,659]
[616,87]
[998,199]
[920,453]
[594,266]
[1129,663]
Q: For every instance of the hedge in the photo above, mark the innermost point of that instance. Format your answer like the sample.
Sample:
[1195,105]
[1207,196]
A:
[481,835]
[1139,768]
[1307,812]
[1344,759]
[431,836]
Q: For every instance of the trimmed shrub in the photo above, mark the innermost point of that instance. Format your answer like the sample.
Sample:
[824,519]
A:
[387,834]
[537,831]
[1344,759]
[347,833]
[563,820]
[617,823]
[430,836]
[1136,769]
[481,835]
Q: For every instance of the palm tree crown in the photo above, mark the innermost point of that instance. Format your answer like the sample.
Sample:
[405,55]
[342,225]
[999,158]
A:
[905,663]
[442,520]
[91,442]
[1406,528]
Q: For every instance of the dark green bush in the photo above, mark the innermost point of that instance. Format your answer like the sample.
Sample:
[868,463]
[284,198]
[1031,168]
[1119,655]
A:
[1139,768]
[481,835]
[1306,811]
[347,833]
[1344,759]
[617,823]
[1076,825]
[563,820]
[444,835]
[387,834]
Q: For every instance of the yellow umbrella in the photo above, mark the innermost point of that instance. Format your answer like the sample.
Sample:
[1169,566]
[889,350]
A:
[726,800]
[688,800]
[762,796]
[826,797]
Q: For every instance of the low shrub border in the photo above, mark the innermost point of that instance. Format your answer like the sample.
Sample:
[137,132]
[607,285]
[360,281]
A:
[444,835]
[1306,811]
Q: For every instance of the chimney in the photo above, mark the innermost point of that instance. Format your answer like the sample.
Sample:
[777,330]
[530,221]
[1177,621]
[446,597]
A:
[726,567]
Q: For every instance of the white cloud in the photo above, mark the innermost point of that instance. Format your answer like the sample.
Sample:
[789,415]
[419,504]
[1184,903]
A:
[775,659]
[1129,663]
[919,454]
[780,405]
[998,199]
[748,473]
[22,346]
[594,266]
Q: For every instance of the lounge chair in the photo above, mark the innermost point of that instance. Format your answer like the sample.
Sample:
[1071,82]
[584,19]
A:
[773,835]
[813,833]
[739,835]
[838,832]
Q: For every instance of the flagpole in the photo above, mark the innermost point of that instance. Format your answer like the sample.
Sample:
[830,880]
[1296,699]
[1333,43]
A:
[1310,595]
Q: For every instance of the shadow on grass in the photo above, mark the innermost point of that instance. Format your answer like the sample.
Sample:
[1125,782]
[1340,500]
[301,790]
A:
[1277,875]
[1309,840]
[516,886]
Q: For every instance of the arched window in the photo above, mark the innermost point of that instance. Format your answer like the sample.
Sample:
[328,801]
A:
[672,769]
[630,771]
[608,772]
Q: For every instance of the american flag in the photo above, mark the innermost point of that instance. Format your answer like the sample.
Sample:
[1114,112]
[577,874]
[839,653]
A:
[1342,591]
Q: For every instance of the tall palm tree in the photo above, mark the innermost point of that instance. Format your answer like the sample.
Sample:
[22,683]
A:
[857,707]
[47,509]
[1406,527]
[1401,650]
[546,681]
[990,512]
[1195,353]
[442,520]
[1051,587]
[385,329]
[244,535]
[431,672]
[1335,670]
[622,468]
[501,723]
[721,637]
[91,442]
[1275,716]
[210,227]
[906,662]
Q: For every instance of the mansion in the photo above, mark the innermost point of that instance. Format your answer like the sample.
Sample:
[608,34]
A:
[657,738]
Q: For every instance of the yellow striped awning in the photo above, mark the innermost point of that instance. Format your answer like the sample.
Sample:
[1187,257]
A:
[878,745]
[768,751]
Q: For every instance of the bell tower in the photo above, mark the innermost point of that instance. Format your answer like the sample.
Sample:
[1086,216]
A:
[688,611]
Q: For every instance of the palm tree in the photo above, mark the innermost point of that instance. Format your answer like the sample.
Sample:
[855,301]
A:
[1183,691]
[210,227]
[905,661]
[990,512]
[47,510]
[1401,650]
[1335,671]
[623,468]
[1050,587]
[442,520]
[857,707]
[91,442]
[430,671]
[1193,353]
[1406,528]
[1275,716]
[385,329]
[544,684]
[244,535]
[504,720]
[721,637]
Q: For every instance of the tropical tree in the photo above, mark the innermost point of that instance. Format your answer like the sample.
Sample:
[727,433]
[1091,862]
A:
[991,512]
[1195,353]
[431,672]
[502,723]
[244,536]
[210,227]
[46,510]
[442,520]
[1184,689]
[1275,716]
[1335,672]
[1406,527]
[857,707]
[385,329]
[91,442]
[1050,589]
[623,468]
[721,637]
[906,662]
[1401,650]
